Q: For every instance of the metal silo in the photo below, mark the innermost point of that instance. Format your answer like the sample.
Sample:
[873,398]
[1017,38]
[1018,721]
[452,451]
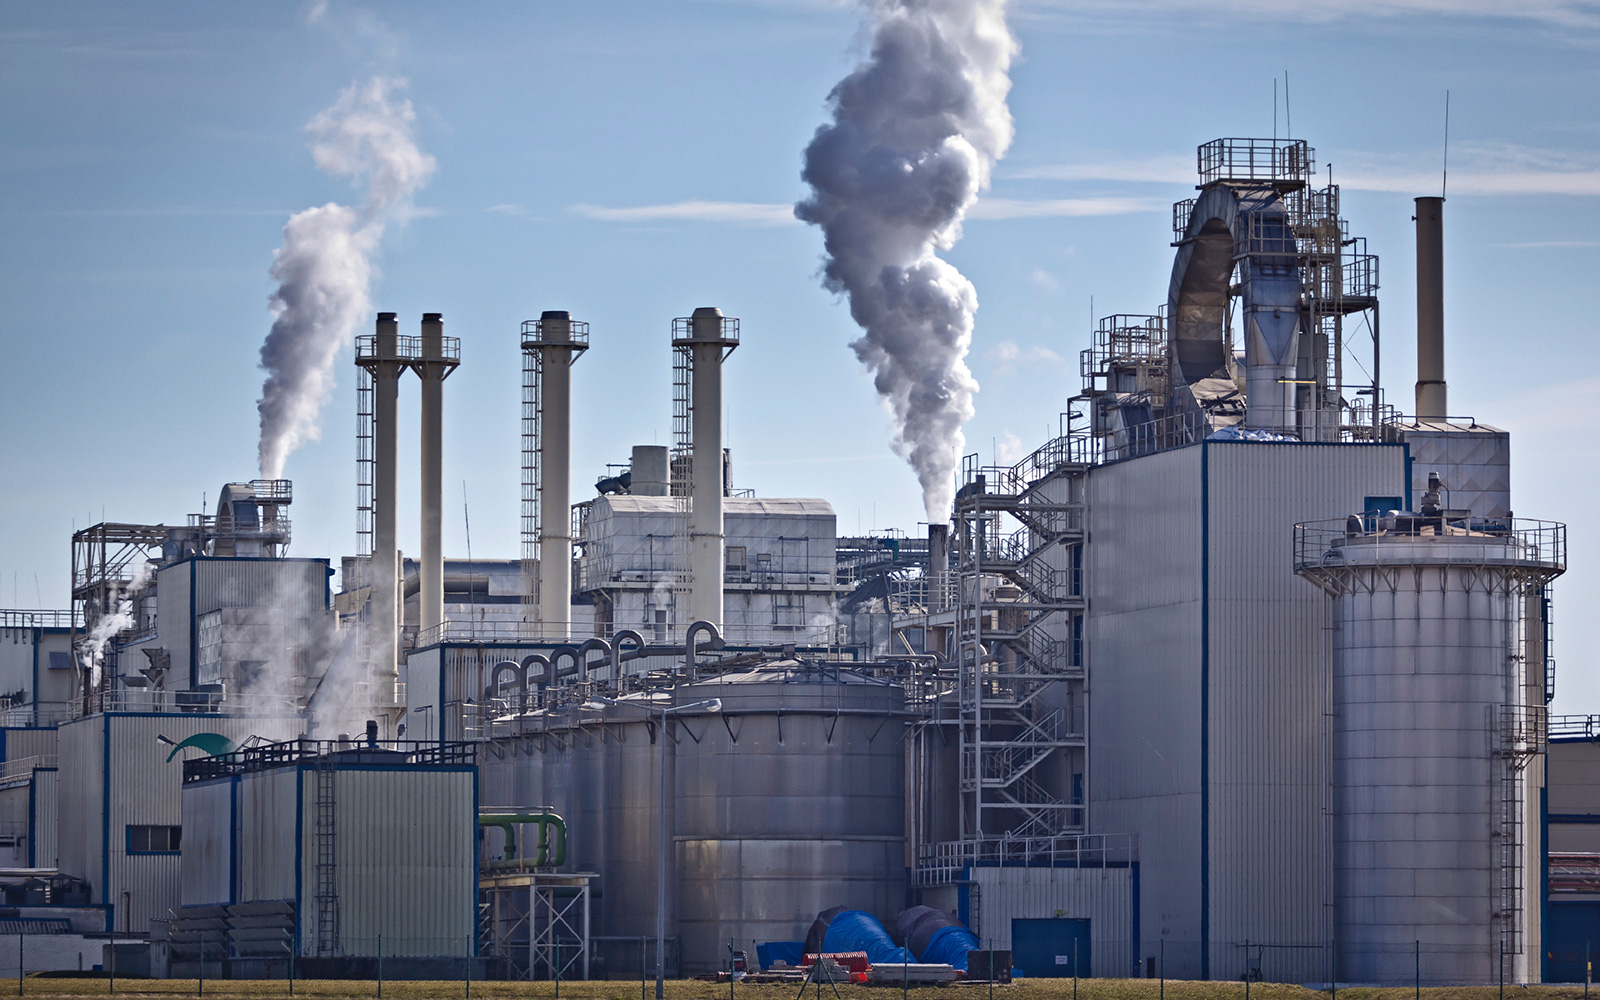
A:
[1432,731]
[789,801]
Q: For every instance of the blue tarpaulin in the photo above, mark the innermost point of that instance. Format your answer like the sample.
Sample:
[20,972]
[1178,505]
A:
[854,930]
[772,952]
[949,945]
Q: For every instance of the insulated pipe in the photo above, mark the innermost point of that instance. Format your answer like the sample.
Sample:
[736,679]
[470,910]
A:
[564,653]
[616,649]
[545,676]
[386,369]
[1432,394]
[517,671]
[432,368]
[688,644]
[707,344]
[584,649]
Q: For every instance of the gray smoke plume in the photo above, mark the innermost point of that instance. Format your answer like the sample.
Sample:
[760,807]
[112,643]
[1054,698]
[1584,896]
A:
[916,129]
[324,267]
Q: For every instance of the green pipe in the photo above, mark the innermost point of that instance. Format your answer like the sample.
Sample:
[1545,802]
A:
[542,858]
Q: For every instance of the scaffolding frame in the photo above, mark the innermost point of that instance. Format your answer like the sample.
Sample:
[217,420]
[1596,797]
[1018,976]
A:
[538,923]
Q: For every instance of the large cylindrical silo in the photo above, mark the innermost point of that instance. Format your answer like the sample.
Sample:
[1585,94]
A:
[789,801]
[1430,737]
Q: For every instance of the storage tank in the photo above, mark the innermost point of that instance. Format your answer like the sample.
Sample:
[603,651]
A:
[1431,737]
[789,801]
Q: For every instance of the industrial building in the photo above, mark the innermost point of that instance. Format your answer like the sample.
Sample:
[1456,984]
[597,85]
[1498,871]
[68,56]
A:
[1242,675]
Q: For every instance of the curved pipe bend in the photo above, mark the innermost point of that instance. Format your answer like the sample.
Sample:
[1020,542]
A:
[518,671]
[688,643]
[544,678]
[584,649]
[616,650]
[564,653]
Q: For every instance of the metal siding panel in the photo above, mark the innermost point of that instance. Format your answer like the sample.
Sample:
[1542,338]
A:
[1268,673]
[206,864]
[266,835]
[1103,896]
[22,743]
[46,827]
[79,802]
[1143,633]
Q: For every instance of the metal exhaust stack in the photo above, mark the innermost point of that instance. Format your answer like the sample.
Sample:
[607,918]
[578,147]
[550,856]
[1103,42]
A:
[386,365]
[554,343]
[708,337]
[439,357]
[1432,393]
[938,565]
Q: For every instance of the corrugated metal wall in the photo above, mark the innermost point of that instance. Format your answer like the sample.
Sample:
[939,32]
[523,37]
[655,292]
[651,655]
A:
[79,805]
[20,743]
[46,791]
[1267,700]
[266,834]
[1144,624]
[207,861]
[1103,896]
[406,859]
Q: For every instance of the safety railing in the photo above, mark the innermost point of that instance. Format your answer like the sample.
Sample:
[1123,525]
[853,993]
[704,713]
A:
[267,756]
[1233,160]
[1368,538]
[17,618]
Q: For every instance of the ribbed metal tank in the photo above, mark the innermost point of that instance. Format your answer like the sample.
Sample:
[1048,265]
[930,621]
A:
[789,801]
[1428,726]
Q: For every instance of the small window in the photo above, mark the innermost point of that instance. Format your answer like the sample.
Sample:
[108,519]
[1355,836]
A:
[154,839]
[60,660]
[734,559]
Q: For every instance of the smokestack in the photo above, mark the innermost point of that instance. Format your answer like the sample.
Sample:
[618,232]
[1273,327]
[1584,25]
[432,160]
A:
[385,365]
[938,565]
[711,337]
[439,357]
[1432,394]
[649,471]
[553,343]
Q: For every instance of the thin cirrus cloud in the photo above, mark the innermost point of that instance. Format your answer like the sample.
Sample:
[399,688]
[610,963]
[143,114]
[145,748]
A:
[765,214]
[1490,169]
[1569,14]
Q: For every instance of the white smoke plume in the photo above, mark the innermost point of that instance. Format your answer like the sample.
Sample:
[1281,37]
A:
[92,647]
[324,267]
[915,132]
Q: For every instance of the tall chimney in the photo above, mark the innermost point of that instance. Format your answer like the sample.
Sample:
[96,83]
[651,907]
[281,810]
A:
[555,341]
[938,565]
[438,358]
[1432,394]
[385,365]
[711,337]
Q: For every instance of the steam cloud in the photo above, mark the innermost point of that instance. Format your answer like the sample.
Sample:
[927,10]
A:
[92,648]
[916,129]
[324,267]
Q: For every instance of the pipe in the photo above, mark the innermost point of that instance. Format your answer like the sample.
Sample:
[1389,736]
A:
[616,649]
[545,819]
[558,348]
[432,368]
[386,369]
[1433,401]
[564,653]
[520,672]
[710,338]
[688,643]
[938,565]
[584,649]
[545,678]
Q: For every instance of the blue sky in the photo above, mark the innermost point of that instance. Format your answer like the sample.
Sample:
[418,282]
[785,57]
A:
[631,161]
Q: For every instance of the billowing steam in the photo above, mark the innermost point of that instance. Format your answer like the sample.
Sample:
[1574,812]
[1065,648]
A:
[916,129]
[324,267]
[92,647]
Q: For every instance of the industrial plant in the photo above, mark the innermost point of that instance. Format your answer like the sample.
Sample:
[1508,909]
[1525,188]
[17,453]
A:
[1242,675]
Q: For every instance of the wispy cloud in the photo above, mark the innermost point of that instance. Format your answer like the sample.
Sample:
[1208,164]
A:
[1008,356]
[1580,14]
[510,209]
[742,212]
[1044,279]
[1020,208]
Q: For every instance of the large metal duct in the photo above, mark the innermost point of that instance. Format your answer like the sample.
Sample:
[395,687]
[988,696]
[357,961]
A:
[1433,401]
[938,566]
[554,342]
[438,357]
[1247,226]
[709,337]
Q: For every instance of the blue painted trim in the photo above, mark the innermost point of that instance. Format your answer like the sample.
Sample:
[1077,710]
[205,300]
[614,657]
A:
[472,875]
[438,707]
[1574,818]
[36,639]
[1410,493]
[233,841]
[107,893]
[1544,872]
[1575,739]
[194,632]
[300,852]
[1205,710]
[1135,890]
[33,820]
[3,756]
[964,899]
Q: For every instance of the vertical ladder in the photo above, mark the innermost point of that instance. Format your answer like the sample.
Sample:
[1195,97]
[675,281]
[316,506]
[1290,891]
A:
[327,868]
[532,466]
[681,474]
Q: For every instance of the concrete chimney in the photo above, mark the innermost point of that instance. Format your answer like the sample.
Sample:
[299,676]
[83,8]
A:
[557,341]
[1432,394]
[438,357]
[650,476]
[709,337]
[938,565]
[385,365]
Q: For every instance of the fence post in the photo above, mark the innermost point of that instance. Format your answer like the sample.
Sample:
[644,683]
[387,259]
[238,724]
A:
[112,989]
[644,966]
[1074,967]
[1419,970]
[200,983]
[1502,969]
[380,967]
[1588,968]
[291,962]
[20,965]
[1163,971]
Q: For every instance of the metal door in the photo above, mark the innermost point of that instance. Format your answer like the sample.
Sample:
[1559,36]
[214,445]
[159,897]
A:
[1050,948]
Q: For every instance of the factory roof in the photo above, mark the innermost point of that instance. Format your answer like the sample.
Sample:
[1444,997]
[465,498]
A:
[792,506]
